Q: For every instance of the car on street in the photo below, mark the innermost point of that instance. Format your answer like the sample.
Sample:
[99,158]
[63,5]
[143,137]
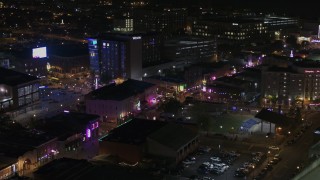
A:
[215,159]
[274,148]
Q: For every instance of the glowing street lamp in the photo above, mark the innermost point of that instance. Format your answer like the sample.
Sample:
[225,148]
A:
[289,102]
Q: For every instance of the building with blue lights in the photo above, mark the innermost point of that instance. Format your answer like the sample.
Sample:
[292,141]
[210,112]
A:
[122,55]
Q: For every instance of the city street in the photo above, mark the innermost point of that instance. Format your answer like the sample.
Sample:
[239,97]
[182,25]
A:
[294,155]
[53,101]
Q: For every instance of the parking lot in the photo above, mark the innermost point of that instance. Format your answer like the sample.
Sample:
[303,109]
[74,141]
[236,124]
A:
[220,165]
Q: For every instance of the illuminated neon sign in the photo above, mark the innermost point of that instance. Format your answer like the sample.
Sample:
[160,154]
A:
[136,37]
[312,71]
[88,133]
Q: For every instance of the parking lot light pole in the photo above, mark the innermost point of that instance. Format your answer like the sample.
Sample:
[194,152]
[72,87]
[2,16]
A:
[253,172]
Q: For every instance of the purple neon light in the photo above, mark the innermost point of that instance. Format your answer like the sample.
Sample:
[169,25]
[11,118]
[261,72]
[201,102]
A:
[88,133]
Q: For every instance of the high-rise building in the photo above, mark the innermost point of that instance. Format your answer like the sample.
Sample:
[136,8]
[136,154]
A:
[160,20]
[123,25]
[190,49]
[242,29]
[122,55]
[230,29]
[301,81]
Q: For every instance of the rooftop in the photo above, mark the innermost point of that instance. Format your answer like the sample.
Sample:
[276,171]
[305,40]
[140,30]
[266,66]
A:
[134,131]
[166,79]
[173,136]
[224,86]
[121,91]
[234,20]
[14,78]
[231,80]
[66,124]
[66,168]
[308,63]
[123,35]
[6,161]
[249,73]
[187,41]
[281,69]
[272,117]
[16,140]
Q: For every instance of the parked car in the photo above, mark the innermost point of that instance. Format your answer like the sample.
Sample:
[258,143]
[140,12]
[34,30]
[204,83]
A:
[274,148]
[215,159]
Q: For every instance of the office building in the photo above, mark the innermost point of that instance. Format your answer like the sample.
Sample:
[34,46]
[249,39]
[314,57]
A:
[115,103]
[141,138]
[123,25]
[242,29]
[73,135]
[166,21]
[190,49]
[19,92]
[122,55]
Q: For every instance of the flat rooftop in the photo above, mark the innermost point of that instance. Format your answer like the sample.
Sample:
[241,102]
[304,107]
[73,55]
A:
[166,79]
[272,117]
[66,168]
[281,69]
[16,140]
[121,91]
[231,80]
[173,135]
[14,78]
[224,87]
[307,63]
[134,131]
[67,124]
[6,161]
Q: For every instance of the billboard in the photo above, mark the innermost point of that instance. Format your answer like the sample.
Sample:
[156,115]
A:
[38,53]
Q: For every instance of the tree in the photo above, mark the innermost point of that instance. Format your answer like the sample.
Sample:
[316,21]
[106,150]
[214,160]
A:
[200,112]
[171,106]
[298,115]
[203,121]
[292,41]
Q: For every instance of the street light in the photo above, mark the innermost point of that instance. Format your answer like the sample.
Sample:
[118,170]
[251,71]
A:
[289,102]
[253,171]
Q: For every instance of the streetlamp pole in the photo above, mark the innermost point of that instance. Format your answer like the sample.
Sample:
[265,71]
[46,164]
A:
[253,172]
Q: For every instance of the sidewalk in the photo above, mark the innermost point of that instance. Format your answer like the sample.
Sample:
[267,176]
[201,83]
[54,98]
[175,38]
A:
[267,141]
